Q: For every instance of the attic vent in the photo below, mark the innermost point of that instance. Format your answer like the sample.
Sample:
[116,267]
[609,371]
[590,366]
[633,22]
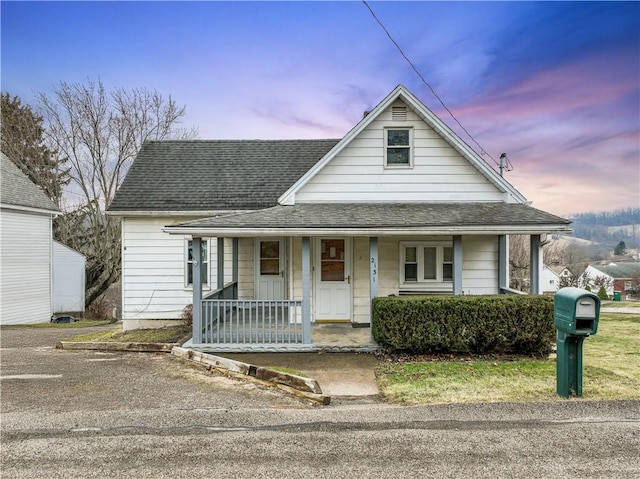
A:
[399,113]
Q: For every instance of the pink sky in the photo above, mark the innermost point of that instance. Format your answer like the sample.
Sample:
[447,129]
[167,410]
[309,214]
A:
[555,85]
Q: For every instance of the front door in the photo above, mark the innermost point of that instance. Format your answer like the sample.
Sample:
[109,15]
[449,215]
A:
[333,279]
[270,269]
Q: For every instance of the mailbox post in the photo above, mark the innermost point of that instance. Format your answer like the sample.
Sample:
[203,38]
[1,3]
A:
[576,314]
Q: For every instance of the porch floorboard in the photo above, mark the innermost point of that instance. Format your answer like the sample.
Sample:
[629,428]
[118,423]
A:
[325,337]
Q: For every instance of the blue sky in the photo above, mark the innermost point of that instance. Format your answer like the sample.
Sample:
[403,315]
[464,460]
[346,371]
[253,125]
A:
[556,85]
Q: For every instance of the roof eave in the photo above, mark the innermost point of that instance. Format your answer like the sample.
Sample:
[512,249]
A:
[253,231]
[176,213]
[29,209]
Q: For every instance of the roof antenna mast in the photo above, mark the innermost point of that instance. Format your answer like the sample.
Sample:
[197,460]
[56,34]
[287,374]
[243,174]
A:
[503,157]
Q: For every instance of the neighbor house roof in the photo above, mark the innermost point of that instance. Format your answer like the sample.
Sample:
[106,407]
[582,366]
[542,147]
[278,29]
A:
[206,176]
[17,190]
[390,218]
[621,270]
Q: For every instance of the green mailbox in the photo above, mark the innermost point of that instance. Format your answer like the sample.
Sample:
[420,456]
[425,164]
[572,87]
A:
[576,313]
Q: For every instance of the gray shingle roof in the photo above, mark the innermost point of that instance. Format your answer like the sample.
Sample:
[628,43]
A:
[215,175]
[18,190]
[385,215]
[621,270]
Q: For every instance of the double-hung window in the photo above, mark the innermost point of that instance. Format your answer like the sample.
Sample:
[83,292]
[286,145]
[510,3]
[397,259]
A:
[204,261]
[425,263]
[398,147]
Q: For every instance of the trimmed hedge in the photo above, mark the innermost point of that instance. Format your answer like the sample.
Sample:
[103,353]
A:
[501,324]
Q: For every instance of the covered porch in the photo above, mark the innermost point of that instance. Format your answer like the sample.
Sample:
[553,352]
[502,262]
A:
[375,252]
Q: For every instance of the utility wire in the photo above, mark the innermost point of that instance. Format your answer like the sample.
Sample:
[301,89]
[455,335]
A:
[482,150]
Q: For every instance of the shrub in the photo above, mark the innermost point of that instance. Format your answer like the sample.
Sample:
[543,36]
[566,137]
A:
[602,294]
[465,324]
[187,315]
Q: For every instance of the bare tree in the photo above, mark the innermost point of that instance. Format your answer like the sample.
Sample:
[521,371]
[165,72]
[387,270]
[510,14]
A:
[573,256]
[519,259]
[99,133]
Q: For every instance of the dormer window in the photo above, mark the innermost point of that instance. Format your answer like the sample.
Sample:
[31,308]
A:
[398,147]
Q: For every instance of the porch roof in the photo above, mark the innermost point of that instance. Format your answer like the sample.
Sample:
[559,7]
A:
[370,219]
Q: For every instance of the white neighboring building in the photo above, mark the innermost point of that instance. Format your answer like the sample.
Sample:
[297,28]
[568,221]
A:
[68,279]
[550,281]
[26,244]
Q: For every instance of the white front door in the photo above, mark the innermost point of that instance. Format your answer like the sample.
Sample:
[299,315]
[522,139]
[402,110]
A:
[270,269]
[333,279]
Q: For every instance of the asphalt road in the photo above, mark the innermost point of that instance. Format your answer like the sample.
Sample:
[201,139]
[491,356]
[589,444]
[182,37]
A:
[136,415]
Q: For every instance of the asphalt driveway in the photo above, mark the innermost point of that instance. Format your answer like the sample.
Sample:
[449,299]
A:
[36,376]
[110,415]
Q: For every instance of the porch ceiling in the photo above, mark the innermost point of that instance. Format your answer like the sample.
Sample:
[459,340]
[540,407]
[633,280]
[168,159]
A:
[372,219]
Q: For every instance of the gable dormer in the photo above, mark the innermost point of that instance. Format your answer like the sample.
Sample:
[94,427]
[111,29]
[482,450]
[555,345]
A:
[401,152]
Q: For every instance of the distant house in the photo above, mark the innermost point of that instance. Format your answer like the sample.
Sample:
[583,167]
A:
[68,280]
[26,246]
[550,280]
[267,237]
[619,277]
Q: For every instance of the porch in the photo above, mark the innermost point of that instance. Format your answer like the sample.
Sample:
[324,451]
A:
[231,325]
[316,273]
[273,326]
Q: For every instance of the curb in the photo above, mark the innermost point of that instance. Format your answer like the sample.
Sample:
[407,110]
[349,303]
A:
[299,386]
[115,346]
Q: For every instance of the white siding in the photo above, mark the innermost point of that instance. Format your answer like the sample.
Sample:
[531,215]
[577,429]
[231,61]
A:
[549,281]
[68,279]
[153,269]
[480,265]
[361,279]
[439,173]
[246,275]
[25,262]
[479,274]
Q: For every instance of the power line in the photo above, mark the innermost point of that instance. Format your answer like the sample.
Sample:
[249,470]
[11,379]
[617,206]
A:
[482,150]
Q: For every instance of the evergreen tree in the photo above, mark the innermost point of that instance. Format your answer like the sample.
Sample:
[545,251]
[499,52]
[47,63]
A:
[621,248]
[22,136]
[602,294]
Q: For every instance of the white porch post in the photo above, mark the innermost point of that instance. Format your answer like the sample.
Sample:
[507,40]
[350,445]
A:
[196,275]
[457,264]
[306,290]
[373,276]
[220,264]
[503,262]
[373,267]
[535,264]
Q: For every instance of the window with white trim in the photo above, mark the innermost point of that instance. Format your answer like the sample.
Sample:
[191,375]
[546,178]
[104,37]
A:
[425,263]
[398,151]
[204,256]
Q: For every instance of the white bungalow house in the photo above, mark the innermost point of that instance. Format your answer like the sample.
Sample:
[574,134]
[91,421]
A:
[270,237]
[550,280]
[26,245]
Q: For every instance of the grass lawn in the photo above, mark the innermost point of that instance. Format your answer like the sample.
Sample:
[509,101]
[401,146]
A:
[171,334]
[619,304]
[611,371]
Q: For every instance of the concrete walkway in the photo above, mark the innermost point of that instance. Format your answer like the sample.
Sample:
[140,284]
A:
[339,374]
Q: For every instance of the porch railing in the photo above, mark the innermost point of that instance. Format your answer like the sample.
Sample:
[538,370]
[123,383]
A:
[228,291]
[232,321]
[510,291]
